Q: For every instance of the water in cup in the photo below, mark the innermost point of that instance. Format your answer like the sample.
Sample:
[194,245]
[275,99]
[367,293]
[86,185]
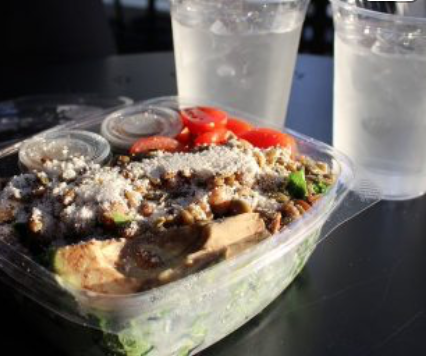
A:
[240,54]
[379,103]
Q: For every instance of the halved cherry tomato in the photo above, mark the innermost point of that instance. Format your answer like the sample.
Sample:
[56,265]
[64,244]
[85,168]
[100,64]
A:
[217,137]
[264,138]
[184,137]
[238,127]
[147,144]
[203,119]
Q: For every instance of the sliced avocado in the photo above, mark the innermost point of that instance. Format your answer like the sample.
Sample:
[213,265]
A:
[128,266]
[232,230]
[91,266]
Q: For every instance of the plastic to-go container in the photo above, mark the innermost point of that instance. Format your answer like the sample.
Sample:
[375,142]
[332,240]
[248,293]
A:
[186,316]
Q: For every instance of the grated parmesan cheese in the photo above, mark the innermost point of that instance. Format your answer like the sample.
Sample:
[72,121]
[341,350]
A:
[217,160]
[76,194]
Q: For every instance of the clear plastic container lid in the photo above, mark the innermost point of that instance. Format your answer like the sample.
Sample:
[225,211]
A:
[63,145]
[124,127]
[22,117]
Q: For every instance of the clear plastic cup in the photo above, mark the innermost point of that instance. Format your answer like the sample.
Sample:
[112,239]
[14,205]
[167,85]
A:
[240,54]
[379,92]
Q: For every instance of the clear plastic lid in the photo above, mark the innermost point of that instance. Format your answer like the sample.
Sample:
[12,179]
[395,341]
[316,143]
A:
[62,146]
[124,127]
[22,117]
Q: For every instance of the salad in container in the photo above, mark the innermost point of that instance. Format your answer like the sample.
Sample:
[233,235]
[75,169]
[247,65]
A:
[161,227]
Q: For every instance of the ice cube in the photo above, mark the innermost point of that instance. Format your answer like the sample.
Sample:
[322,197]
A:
[231,24]
[400,43]
[390,43]
[226,70]
[219,28]
[191,13]
[285,21]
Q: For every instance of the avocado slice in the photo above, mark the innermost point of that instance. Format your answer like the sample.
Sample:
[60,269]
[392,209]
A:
[91,266]
[121,266]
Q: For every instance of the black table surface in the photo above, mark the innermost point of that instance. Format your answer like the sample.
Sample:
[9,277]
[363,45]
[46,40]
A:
[363,292]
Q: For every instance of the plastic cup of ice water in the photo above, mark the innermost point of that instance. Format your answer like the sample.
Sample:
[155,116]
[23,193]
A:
[239,53]
[380,96]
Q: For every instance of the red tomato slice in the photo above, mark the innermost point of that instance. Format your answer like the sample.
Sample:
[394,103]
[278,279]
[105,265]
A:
[217,137]
[147,144]
[238,127]
[264,138]
[184,137]
[203,119]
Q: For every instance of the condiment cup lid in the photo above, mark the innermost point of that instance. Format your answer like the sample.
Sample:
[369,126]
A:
[124,127]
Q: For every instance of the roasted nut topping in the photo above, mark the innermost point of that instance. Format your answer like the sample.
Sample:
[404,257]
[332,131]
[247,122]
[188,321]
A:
[146,209]
[238,206]
[186,217]
[131,198]
[219,202]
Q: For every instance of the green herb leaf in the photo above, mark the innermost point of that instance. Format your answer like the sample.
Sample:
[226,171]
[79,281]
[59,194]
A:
[121,219]
[320,187]
[296,185]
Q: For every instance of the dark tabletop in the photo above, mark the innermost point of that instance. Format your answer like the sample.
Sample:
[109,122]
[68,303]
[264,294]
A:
[363,292]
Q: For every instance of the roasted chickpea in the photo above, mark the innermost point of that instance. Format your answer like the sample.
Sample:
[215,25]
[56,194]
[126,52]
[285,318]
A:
[219,202]
[239,206]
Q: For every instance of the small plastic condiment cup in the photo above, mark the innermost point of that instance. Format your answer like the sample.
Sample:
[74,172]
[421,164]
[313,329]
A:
[124,127]
[62,146]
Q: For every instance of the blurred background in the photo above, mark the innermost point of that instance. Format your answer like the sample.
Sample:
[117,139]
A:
[51,31]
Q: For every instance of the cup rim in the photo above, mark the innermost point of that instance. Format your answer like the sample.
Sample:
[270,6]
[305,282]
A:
[376,14]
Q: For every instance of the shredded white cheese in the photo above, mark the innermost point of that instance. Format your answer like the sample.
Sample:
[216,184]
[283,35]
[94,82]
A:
[218,160]
[75,194]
